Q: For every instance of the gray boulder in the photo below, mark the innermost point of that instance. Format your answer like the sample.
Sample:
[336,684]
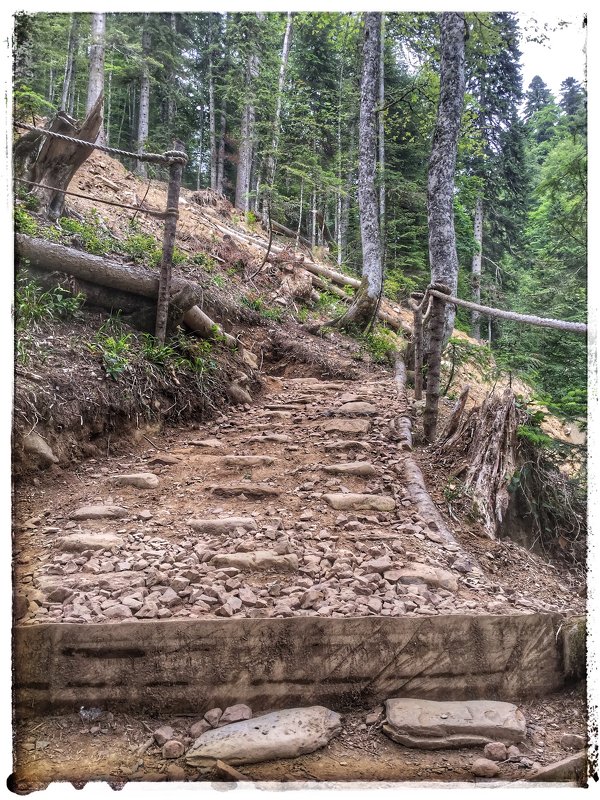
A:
[281,734]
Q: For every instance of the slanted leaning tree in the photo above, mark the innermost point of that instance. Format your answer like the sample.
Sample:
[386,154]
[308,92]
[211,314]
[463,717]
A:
[443,258]
[364,305]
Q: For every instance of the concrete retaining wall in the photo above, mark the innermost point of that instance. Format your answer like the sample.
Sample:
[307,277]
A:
[189,666]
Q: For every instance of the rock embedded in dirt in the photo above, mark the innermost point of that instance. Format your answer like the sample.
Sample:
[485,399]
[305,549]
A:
[213,716]
[165,459]
[213,444]
[362,468]
[360,502]
[572,741]
[99,512]
[175,773]
[200,727]
[78,542]
[279,438]
[247,461]
[253,490]
[163,734]
[40,451]
[373,717]
[433,724]
[358,408]
[484,768]
[118,611]
[141,480]
[259,559]
[495,751]
[227,525]
[173,749]
[341,425]
[281,734]
[416,573]
[347,444]
[236,713]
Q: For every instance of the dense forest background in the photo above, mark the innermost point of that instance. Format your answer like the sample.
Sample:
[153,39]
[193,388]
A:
[267,108]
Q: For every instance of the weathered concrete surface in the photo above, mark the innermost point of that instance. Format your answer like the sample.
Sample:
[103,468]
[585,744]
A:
[434,725]
[569,768]
[189,666]
[281,734]
[574,638]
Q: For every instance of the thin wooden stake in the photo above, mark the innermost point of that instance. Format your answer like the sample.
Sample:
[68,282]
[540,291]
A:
[166,267]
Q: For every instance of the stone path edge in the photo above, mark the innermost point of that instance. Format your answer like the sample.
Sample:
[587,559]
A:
[179,666]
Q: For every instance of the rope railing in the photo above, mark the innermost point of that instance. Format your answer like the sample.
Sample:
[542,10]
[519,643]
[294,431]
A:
[428,315]
[170,157]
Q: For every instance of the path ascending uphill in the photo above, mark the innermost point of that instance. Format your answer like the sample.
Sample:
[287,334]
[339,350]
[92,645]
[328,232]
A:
[290,507]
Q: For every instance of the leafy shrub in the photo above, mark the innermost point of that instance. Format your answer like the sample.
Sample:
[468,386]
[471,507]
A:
[34,305]
[203,260]
[142,249]
[92,238]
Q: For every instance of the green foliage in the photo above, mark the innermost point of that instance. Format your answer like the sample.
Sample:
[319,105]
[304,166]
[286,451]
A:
[142,249]
[33,305]
[203,260]
[89,234]
[113,345]
[379,343]
[24,222]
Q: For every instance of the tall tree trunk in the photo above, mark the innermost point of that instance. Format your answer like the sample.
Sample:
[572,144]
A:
[221,162]
[51,86]
[381,137]
[443,258]
[96,75]
[272,157]
[172,75]
[200,152]
[300,213]
[212,123]
[144,110]
[108,102]
[70,62]
[364,305]
[242,188]
[476,268]
[313,211]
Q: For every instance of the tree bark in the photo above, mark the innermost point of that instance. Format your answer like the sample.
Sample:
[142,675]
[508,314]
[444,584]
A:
[144,109]
[364,305]
[272,157]
[221,156]
[381,136]
[96,76]
[212,124]
[57,161]
[476,268]
[242,188]
[443,257]
[70,62]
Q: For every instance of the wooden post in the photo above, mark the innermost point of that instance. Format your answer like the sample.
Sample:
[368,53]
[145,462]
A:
[434,358]
[416,303]
[166,266]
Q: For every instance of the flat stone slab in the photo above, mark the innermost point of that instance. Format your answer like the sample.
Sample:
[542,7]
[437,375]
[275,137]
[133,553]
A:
[259,559]
[353,426]
[432,576]
[281,734]
[358,408]
[362,468]
[78,542]
[164,459]
[280,438]
[347,444]
[360,502]
[141,480]
[210,443]
[247,489]
[99,512]
[247,461]
[433,724]
[222,525]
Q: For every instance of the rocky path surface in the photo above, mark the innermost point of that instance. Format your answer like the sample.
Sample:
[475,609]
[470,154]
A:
[288,507]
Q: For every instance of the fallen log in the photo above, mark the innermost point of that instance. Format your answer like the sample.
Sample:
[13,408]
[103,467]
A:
[401,426]
[123,278]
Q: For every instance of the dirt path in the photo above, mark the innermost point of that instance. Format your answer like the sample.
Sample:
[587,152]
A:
[273,478]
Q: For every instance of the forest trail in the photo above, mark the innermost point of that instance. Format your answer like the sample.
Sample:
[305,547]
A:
[256,514]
